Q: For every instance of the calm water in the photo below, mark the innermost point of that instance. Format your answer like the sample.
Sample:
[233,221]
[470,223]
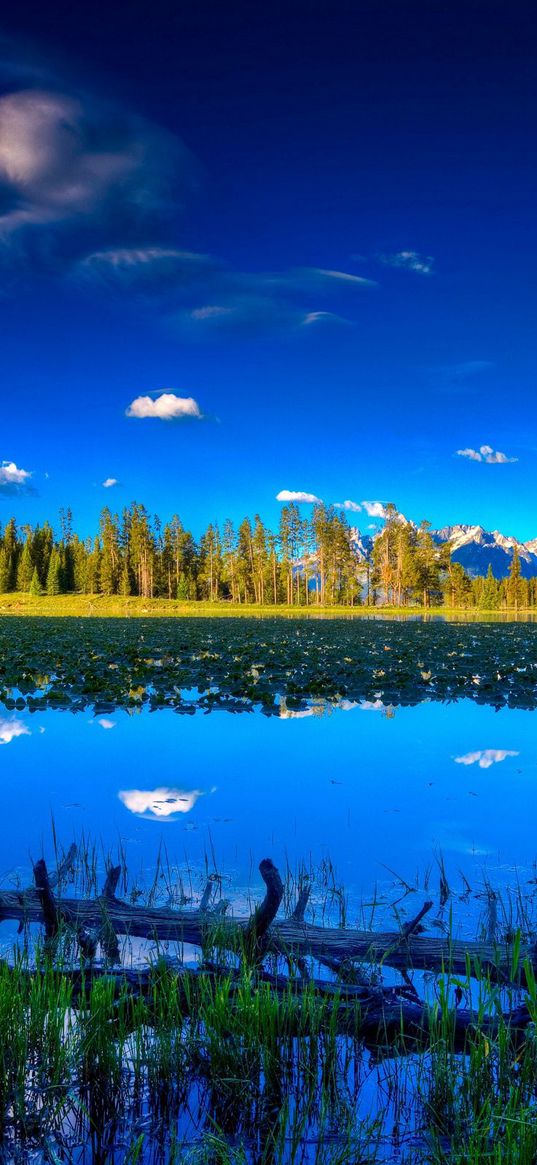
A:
[370,787]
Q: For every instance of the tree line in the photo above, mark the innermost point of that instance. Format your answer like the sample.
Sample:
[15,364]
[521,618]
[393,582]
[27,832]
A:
[306,561]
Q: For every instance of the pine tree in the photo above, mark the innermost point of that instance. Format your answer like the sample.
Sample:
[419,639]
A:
[490,593]
[514,587]
[25,569]
[35,585]
[5,571]
[11,547]
[110,557]
[54,573]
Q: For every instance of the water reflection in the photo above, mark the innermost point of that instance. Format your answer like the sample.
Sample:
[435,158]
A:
[159,804]
[10,729]
[362,791]
[485,757]
[327,707]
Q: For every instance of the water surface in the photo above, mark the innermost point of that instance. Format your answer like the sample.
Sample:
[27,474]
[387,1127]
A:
[374,788]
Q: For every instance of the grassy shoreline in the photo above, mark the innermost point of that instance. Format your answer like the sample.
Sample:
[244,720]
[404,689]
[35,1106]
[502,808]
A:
[219,1062]
[116,607]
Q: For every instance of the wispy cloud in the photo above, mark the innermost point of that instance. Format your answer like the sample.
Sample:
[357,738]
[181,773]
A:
[324,317]
[354,507]
[166,407]
[14,480]
[408,261]
[91,192]
[486,454]
[147,268]
[253,303]
[459,376]
[110,482]
[201,296]
[485,757]
[298,496]
[303,280]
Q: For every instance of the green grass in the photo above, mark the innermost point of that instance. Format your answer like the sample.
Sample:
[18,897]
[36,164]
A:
[114,606]
[220,1078]
[207,1071]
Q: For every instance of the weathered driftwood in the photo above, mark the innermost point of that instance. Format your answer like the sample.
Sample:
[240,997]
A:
[47,903]
[377,1014]
[287,937]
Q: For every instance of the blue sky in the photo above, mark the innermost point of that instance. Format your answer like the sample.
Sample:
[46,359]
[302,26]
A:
[316,223]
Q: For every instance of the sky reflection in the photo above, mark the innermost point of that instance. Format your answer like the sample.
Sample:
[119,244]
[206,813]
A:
[367,791]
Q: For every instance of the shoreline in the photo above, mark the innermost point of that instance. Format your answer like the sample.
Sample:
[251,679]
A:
[17,604]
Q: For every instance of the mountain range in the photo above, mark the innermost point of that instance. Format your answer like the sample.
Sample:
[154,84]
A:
[474,547]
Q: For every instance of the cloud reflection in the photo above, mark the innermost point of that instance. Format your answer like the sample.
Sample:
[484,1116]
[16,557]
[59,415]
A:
[10,729]
[159,804]
[318,708]
[485,757]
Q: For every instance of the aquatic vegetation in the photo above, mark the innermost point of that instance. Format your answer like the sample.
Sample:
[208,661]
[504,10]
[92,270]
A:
[238,664]
[229,1064]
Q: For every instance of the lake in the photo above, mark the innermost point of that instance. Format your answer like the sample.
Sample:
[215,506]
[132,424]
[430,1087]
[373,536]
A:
[379,757]
[373,785]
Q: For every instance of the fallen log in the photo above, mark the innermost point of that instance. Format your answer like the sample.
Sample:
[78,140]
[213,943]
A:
[378,1015]
[287,937]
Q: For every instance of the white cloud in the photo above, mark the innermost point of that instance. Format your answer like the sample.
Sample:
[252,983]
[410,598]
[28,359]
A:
[105,723]
[409,261]
[291,495]
[13,479]
[10,729]
[10,474]
[110,482]
[485,757]
[375,509]
[161,803]
[487,454]
[166,407]
[354,507]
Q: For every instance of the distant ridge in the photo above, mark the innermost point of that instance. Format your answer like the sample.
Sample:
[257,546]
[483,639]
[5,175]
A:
[476,549]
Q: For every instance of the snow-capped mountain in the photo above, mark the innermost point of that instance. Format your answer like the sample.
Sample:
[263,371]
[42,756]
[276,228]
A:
[476,549]
[362,544]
